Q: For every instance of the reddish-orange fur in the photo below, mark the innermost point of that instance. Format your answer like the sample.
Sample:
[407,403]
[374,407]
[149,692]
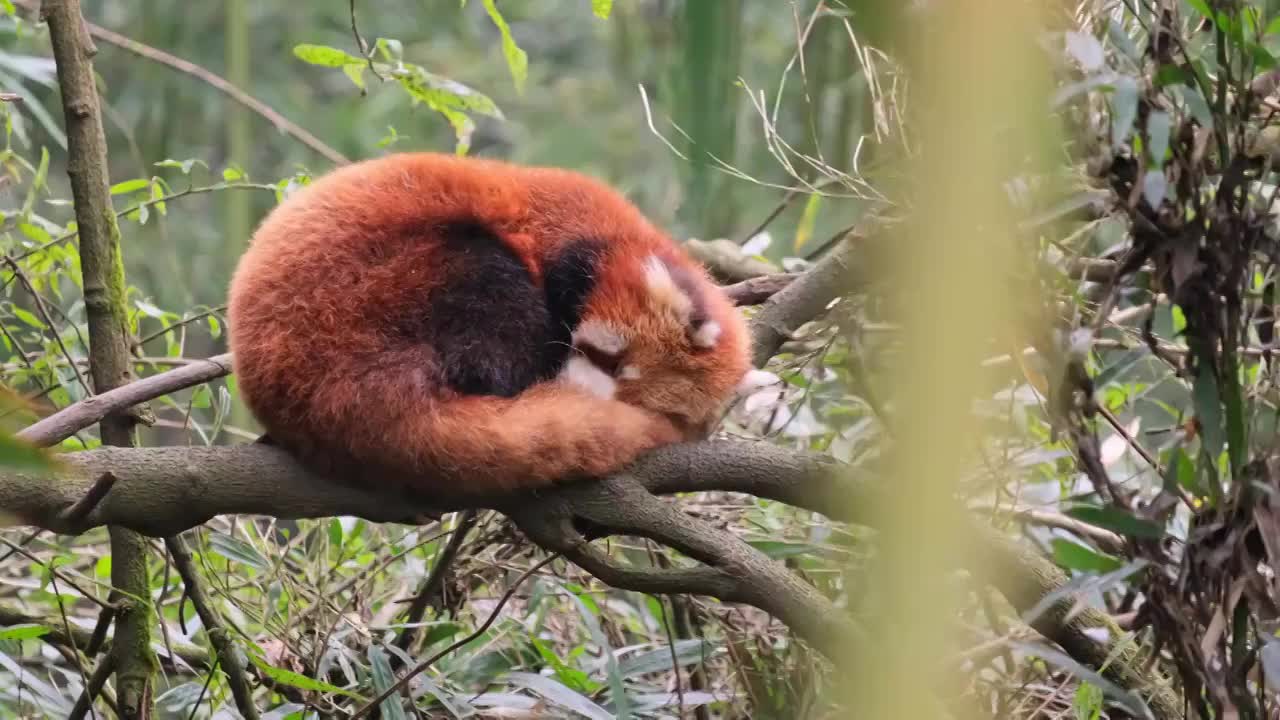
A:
[332,270]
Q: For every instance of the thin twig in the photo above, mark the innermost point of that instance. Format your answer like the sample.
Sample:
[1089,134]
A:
[422,666]
[78,511]
[280,122]
[62,424]
[84,704]
[215,628]
[364,47]
[434,584]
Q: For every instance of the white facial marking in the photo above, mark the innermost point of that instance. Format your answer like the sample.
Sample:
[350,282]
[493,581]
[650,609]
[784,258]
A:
[629,372]
[663,288]
[756,379]
[582,373]
[707,334]
[600,336]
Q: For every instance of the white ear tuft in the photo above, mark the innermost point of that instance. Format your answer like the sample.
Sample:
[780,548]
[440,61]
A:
[600,336]
[707,334]
[663,288]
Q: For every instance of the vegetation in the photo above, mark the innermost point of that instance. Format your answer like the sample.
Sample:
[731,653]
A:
[1012,269]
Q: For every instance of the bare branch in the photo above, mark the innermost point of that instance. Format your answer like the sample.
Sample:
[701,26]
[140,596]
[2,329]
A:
[185,656]
[215,628]
[216,81]
[70,420]
[756,290]
[734,572]
[803,300]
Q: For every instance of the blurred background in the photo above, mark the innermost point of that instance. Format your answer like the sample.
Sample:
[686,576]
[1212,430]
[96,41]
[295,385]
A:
[581,107]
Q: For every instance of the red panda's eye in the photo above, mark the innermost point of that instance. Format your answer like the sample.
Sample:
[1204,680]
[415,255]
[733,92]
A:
[607,362]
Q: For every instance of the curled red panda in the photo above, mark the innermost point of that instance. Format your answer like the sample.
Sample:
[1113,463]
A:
[458,325]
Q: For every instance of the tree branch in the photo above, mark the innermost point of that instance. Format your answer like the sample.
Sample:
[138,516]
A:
[70,420]
[733,572]
[162,491]
[280,122]
[215,628]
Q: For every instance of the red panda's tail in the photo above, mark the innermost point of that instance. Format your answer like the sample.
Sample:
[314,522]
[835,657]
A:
[475,444]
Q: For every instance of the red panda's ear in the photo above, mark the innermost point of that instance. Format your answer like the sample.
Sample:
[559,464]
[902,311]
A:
[678,292]
[665,293]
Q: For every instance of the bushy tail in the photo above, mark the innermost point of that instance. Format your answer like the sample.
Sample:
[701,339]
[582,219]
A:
[545,434]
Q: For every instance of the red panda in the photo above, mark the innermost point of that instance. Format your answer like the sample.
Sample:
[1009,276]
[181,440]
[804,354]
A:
[458,325]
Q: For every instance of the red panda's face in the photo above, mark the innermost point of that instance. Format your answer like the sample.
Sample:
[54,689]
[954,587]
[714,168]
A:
[661,337]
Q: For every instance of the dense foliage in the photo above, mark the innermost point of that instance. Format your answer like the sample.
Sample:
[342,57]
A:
[1127,422]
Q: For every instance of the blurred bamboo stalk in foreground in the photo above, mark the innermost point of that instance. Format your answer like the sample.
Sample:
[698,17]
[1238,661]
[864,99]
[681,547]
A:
[977,111]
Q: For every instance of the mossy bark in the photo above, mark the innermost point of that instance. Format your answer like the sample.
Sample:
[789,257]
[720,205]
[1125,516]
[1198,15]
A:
[102,266]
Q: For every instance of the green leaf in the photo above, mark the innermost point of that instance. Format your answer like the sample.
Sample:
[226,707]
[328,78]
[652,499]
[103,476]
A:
[356,73]
[1179,319]
[28,318]
[1171,75]
[572,677]
[1124,108]
[1196,104]
[1075,556]
[297,680]
[1117,368]
[184,165]
[1154,185]
[1208,406]
[102,568]
[617,687]
[35,232]
[1120,38]
[688,652]
[21,455]
[37,182]
[1201,7]
[1262,57]
[25,631]
[602,8]
[1158,124]
[129,186]
[1087,704]
[384,677]
[150,310]
[563,696]
[517,59]
[1273,26]
[238,550]
[804,230]
[324,55]
[1117,521]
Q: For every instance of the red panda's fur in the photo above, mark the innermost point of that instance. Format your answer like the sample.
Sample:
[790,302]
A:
[335,305]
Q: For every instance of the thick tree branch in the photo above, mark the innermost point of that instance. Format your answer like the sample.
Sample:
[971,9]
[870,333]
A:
[734,571]
[162,491]
[804,299]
